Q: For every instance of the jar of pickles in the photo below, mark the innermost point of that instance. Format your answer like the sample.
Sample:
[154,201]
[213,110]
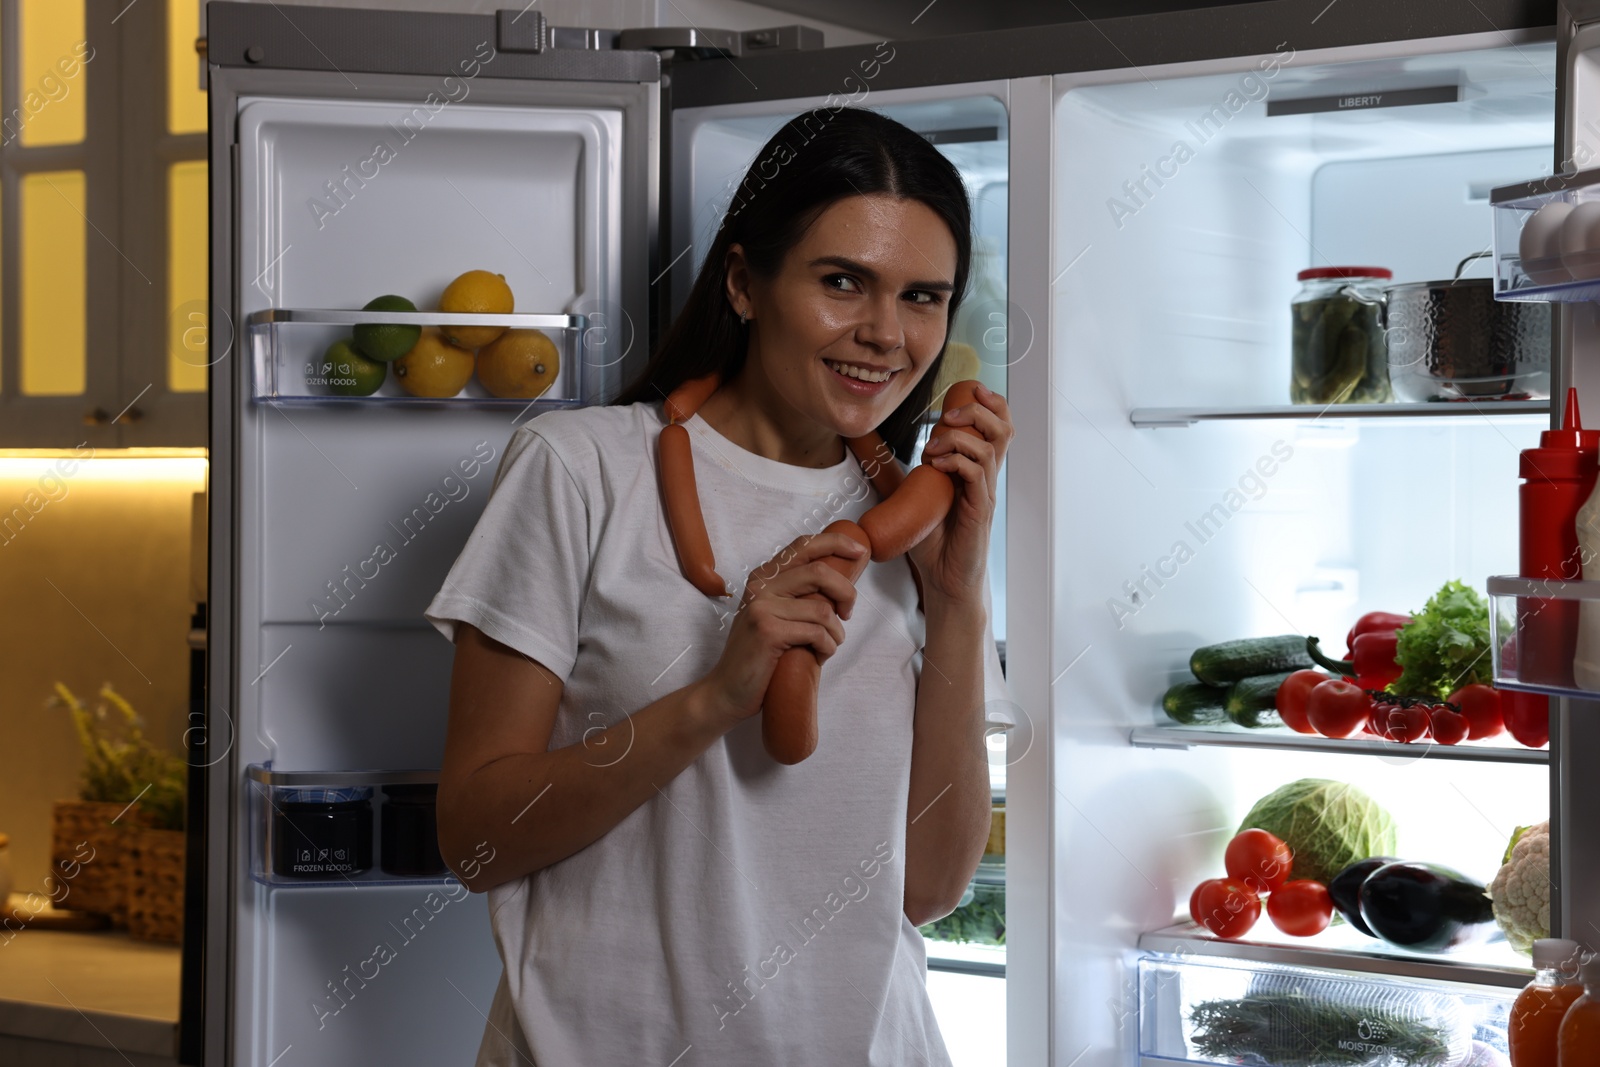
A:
[1340,355]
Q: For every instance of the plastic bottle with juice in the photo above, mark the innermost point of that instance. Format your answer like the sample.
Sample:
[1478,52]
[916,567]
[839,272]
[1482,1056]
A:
[1578,1041]
[1536,1016]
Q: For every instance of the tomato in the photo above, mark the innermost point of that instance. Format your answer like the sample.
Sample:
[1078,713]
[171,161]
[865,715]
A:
[1292,695]
[1302,908]
[1194,906]
[1227,908]
[1258,859]
[1448,727]
[1337,708]
[1481,705]
[1527,716]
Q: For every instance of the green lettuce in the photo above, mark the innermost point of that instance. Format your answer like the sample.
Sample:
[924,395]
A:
[1446,645]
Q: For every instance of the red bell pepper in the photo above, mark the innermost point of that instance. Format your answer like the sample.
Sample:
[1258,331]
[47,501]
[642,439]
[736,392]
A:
[1374,622]
[1372,664]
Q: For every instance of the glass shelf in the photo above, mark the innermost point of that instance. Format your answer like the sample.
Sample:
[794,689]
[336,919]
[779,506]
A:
[1546,616]
[1344,948]
[988,961]
[288,347]
[1155,418]
[325,829]
[1284,739]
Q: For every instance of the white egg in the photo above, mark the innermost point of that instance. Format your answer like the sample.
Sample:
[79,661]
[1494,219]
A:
[1540,244]
[1580,241]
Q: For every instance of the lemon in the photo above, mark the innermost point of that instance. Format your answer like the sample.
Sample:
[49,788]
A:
[522,363]
[433,367]
[476,292]
[349,373]
[386,342]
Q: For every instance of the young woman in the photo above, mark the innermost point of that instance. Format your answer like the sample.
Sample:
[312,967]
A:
[662,891]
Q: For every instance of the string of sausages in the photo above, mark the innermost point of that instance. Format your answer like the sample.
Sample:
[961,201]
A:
[910,507]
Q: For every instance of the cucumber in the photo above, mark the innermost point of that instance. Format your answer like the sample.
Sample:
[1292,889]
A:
[1253,702]
[1232,661]
[1195,704]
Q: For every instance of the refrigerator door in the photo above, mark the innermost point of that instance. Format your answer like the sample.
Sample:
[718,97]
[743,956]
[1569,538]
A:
[1575,724]
[357,154]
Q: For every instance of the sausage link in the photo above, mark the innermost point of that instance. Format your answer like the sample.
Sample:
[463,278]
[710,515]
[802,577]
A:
[686,399]
[923,500]
[877,460]
[789,709]
[684,521]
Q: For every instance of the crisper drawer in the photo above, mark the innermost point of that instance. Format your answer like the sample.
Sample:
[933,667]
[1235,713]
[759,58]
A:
[1231,1012]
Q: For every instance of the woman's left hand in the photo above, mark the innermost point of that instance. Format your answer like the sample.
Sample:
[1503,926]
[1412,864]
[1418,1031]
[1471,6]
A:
[953,558]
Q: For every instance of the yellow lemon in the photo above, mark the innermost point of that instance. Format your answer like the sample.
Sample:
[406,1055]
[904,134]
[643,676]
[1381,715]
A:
[476,292]
[433,367]
[522,363]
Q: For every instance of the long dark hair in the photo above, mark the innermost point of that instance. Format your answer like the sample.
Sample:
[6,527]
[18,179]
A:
[816,159]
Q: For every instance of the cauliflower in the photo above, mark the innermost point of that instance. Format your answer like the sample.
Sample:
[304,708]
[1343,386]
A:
[1521,891]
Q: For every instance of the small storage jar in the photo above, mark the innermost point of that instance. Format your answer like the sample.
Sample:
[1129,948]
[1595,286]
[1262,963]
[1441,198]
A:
[410,837]
[1340,355]
[322,833]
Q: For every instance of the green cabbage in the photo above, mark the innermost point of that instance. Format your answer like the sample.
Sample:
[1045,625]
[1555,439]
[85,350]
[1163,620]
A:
[1328,825]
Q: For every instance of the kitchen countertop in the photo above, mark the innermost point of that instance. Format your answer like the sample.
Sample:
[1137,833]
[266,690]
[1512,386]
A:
[102,989]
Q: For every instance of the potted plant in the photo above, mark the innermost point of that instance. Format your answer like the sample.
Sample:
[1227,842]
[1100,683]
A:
[119,848]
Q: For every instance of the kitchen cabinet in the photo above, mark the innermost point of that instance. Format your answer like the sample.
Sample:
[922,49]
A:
[102,341]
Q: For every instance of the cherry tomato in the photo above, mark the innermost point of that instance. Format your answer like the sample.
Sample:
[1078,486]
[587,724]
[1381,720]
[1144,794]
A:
[1260,860]
[1302,908]
[1337,708]
[1292,695]
[1227,908]
[1448,727]
[1194,906]
[1406,724]
[1527,716]
[1481,705]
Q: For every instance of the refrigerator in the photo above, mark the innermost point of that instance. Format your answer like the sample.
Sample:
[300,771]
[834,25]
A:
[1130,298]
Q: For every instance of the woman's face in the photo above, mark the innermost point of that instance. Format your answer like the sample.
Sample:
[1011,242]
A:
[865,292]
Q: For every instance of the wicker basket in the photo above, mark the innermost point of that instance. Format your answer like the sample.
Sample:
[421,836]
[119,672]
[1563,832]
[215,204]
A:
[86,853]
[153,862]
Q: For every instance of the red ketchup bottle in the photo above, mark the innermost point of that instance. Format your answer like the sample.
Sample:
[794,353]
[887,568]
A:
[1557,477]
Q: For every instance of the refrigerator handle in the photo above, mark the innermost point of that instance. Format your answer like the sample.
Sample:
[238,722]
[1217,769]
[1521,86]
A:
[521,31]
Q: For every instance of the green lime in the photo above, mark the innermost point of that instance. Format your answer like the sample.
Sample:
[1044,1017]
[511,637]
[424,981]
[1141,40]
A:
[349,373]
[386,342]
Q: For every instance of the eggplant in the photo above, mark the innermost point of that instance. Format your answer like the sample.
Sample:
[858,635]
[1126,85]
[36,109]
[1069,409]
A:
[1345,889]
[1425,907]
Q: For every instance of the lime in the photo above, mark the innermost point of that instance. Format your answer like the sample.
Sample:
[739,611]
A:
[386,342]
[349,373]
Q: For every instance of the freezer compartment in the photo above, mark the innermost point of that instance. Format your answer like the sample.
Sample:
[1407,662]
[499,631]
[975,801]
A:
[1547,238]
[1228,1012]
[343,828]
[1546,635]
[294,358]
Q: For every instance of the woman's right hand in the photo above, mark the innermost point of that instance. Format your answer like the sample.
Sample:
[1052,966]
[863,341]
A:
[777,613]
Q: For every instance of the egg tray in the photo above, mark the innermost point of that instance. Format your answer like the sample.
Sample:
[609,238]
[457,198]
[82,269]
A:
[1547,238]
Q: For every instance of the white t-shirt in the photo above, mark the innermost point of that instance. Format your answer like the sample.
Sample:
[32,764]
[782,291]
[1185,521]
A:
[750,912]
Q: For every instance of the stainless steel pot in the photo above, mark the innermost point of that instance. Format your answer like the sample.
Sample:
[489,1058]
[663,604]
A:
[1452,340]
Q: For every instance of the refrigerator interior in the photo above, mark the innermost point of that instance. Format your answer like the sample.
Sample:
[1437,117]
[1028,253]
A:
[1177,267]
[350,513]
